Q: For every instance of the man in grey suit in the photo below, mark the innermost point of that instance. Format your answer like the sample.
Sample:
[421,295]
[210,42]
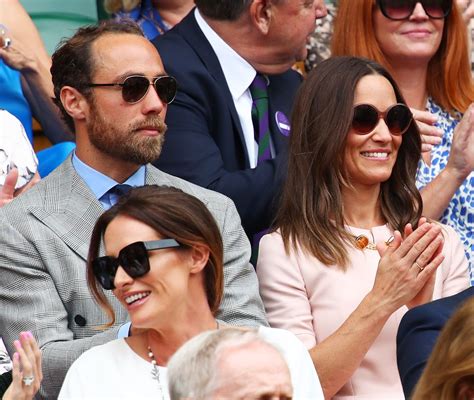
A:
[102,78]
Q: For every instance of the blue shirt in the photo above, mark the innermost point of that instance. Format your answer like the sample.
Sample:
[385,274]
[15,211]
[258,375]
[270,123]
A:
[147,17]
[12,98]
[100,184]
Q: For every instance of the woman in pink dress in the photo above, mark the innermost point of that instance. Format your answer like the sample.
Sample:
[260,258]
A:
[351,252]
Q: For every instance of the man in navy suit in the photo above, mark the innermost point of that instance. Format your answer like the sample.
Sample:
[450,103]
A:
[215,53]
[417,334]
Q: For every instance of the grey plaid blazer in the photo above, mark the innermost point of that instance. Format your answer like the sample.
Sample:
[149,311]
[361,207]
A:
[44,240]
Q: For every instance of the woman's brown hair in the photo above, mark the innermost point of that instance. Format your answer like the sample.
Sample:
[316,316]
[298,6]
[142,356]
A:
[311,212]
[450,368]
[172,214]
[449,79]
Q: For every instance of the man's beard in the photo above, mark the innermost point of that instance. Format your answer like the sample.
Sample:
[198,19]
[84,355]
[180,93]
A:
[127,144]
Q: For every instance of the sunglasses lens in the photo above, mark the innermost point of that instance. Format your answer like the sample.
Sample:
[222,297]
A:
[402,9]
[134,88]
[166,88]
[104,270]
[398,119]
[437,8]
[365,118]
[134,260]
[397,9]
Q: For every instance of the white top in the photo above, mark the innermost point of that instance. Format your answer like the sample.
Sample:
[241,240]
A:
[239,74]
[115,371]
[15,150]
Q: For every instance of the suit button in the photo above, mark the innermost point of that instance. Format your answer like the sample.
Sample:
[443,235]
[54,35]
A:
[80,320]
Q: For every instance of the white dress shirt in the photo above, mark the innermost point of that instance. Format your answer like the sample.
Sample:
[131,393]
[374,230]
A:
[239,74]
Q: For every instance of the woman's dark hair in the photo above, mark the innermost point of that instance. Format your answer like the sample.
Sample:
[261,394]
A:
[311,210]
[172,214]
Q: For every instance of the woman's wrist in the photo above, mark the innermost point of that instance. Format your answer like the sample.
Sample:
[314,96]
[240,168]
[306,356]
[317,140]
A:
[452,174]
[376,307]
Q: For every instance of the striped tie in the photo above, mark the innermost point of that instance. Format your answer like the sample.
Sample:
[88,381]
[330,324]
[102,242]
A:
[259,93]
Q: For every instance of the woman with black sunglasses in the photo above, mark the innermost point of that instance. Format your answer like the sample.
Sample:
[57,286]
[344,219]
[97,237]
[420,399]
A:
[424,45]
[164,265]
[350,253]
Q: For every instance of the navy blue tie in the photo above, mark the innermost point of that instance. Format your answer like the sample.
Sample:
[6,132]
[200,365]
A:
[118,191]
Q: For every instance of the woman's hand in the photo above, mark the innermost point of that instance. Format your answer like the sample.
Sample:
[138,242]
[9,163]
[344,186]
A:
[8,191]
[430,135]
[425,295]
[18,57]
[407,266]
[27,375]
[461,158]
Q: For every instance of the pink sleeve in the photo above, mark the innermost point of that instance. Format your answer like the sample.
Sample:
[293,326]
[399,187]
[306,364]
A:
[453,275]
[283,290]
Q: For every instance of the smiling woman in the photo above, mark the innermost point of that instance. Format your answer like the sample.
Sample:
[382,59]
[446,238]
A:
[350,191]
[164,265]
[424,45]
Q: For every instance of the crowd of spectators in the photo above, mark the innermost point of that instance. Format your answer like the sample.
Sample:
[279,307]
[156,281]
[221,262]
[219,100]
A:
[212,222]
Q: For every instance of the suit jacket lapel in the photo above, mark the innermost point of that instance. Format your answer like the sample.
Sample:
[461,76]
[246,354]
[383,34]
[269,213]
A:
[190,31]
[73,210]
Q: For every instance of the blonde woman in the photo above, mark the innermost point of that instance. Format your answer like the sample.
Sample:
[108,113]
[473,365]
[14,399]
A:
[449,374]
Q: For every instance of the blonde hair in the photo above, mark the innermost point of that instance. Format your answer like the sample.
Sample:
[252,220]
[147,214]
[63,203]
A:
[114,6]
[449,79]
[450,367]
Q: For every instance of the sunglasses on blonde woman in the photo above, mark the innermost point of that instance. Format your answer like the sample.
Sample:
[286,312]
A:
[366,117]
[132,258]
[135,88]
[398,10]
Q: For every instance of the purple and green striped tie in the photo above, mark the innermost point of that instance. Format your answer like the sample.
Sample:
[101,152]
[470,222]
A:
[259,93]
[261,124]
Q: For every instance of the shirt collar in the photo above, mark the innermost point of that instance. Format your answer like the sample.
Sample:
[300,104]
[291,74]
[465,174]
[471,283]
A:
[238,73]
[99,183]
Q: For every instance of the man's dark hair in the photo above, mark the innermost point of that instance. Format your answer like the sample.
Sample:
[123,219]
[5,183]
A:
[73,64]
[223,9]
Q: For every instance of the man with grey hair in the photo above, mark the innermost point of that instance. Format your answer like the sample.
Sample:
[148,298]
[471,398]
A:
[235,363]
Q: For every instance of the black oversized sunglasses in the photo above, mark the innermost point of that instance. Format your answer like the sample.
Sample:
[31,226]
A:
[366,117]
[132,258]
[398,10]
[135,88]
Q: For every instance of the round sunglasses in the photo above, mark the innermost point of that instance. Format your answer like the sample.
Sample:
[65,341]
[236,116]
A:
[366,117]
[398,10]
[135,88]
[132,258]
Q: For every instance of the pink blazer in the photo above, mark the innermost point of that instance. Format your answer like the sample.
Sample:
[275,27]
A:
[312,300]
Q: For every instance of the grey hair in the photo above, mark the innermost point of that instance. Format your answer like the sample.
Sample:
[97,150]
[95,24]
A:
[223,10]
[192,369]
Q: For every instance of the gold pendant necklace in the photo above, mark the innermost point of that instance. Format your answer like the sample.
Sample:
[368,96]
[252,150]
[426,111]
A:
[362,242]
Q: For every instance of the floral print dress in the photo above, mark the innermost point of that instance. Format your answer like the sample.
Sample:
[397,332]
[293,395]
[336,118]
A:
[460,212]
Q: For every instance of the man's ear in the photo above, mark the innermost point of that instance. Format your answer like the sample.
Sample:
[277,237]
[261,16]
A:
[261,14]
[74,102]
[199,257]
